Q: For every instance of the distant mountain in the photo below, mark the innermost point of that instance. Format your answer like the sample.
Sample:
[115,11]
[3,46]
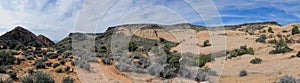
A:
[46,40]
[20,36]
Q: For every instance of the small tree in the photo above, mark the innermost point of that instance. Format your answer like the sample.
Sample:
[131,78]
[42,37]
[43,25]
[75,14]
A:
[132,46]
[270,30]
[206,43]
[295,30]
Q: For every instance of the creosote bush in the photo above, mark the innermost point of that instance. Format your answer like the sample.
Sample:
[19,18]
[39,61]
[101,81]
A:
[206,43]
[41,77]
[59,69]
[295,30]
[256,60]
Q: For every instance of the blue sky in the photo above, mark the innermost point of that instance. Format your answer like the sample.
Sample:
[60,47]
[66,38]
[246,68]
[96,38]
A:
[57,18]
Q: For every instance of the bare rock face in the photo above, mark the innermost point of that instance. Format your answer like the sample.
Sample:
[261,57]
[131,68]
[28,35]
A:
[20,36]
[46,40]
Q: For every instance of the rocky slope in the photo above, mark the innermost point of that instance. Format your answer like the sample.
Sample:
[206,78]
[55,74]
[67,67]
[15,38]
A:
[20,36]
[45,40]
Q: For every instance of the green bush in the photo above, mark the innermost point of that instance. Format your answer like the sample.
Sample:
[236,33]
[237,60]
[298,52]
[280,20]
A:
[281,47]
[62,62]
[270,30]
[256,60]
[204,59]
[68,80]
[39,63]
[206,43]
[243,73]
[243,50]
[295,30]
[132,46]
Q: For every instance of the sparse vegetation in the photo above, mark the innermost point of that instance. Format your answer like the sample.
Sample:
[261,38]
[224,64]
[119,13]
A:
[262,38]
[281,47]
[295,30]
[298,54]
[256,60]
[132,46]
[206,43]
[243,50]
[6,58]
[243,73]
[270,30]
[201,76]
[41,77]
[68,80]
[13,75]
[287,79]
[58,69]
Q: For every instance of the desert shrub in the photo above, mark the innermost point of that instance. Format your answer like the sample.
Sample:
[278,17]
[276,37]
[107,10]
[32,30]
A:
[287,79]
[39,63]
[243,73]
[55,65]
[84,65]
[281,47]
[274,41]
[295,30]
[73,63]
[41,77]
[132,46]
[270,30]
[203,60]
[30,57]
[62,62]
[256,60]
[13,75]
[298,54]
[48,64]
[26,79]
[262,38]
[30,71]
[51,55]
[106,60]
[206,43]
[201,76]
[6,58]
[68,80]
[58,69]
[168,72]
[243,50]
[67,68]
[6,81]
[2,69]
[173,60]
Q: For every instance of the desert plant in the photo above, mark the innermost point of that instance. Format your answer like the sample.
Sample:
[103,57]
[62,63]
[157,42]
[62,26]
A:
[287,79]
[256,60]
[41,77]
[55,65]
[30,71]
[206,43]
[13,75]
[26,79]
[6,59]
[298,54]
[168,72]
[73,63]
[262,38]
[132,46]
[68,80]
[67,68]
[58,69]
[201,76]
[270,30]
[62,62]
[243,73]
[281,47]
[48,64]
[204,59]
[39,63]
[106,60]
[295,30]
[2,69]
